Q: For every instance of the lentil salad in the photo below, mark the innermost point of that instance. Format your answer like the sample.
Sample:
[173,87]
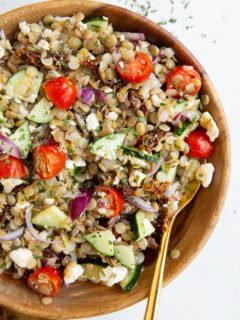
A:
[101,134]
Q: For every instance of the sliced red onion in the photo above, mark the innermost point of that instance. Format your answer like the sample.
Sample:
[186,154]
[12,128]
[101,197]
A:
[177,118]
[80,121]
[134,36]
[49,261]
[113,221]
[12,235]
[8,146]
[35,233]
[140,203]
[101,96]
[79,204]
[189,115]
[2,35]
[156,167]
[86,94]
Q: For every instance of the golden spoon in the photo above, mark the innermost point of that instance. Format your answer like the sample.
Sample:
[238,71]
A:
[154,295]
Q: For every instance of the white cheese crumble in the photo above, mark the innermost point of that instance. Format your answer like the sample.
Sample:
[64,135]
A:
[207,122]
[110,275]
[112,116]
[47,33]
[23,258]
[92,122]
[204,174]
[70,164]
[10,183]
[24,27]
[72,272]
[2,52]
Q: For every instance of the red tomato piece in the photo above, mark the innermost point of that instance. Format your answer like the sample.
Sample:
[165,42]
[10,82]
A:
[114,199]
[200,146]
[137,70]
[61,91]
[46,281]
[48,161]
[12,168]
[184,80]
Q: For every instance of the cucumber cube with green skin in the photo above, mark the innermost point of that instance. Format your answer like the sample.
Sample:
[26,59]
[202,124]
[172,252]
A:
[131,278]
[102,241]
[22,138]
[96,23]
[22,81]
[41,112]
[107,147]
[139,154]
[92,272]
[141,226]
[51,217]
[125,254]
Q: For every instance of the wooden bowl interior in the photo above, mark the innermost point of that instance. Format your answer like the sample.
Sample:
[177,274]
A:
[193,226]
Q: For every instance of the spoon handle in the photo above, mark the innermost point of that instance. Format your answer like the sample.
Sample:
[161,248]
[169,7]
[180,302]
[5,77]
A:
[151,312]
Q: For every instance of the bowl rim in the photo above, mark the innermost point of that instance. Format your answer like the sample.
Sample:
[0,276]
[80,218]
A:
[214,218]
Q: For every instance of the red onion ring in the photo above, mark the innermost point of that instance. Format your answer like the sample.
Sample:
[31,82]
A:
[140,203]
[113,221]
[32,230]
[8,146]
[156,167]
[12,235]
[134,36]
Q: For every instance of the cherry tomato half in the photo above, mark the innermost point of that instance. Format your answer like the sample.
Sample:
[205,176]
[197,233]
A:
[185,80]
[62,92]
[46,281]
[137,70]
[114,199]
[200,146]
[48,161]
[12,168]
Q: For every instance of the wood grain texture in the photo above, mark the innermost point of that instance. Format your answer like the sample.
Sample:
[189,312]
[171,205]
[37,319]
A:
[192,227]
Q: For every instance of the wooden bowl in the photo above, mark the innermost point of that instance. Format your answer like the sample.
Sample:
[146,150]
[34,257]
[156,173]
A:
[193,226]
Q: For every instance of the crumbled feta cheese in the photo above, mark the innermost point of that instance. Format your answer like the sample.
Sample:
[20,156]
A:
[92,122]
[79,162]
[43,44]
[161,176]
[116,181]
[2,52]
[113,275]
[204,174]
[22,111]
[207,122]
[70,164]
[136,177]
[24,27]
[72,272]
[47,33]
[23,258]
[10,183]
[49,201]
[112,116]
[155,100]
[168,52]
[137,162]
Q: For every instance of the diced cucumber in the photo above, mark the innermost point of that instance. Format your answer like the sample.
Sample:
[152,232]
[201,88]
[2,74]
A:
[102,241]
[139,154]
[1,117]
[41,112]
[22,82]
[180,106]
[182,132]
[125,254]
[97,23]
[170,172]
[150,216]
[51,217]
[141,226]
[96,261]
[107,147]
[189,173]
[131,278]
[22,139]
[92,271]
[196,104]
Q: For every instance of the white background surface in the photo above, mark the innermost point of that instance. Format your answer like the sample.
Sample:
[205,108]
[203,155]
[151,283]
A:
[209,289]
